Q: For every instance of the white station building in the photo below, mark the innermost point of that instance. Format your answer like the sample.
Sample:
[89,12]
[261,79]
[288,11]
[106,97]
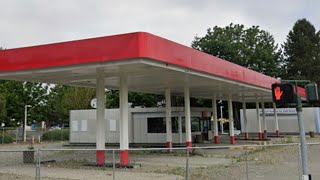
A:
[146,125]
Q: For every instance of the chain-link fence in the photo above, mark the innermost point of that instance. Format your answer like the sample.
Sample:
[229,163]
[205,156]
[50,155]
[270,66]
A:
[16,134]
[314,160]
[214,162]
[18,164]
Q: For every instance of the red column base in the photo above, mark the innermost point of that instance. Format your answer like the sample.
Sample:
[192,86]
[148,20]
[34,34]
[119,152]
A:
[277,133]
[100,157]
[260,135]
[232,140]
[124,157]
[216,139]
[189,144]
[169,145]
[246,136]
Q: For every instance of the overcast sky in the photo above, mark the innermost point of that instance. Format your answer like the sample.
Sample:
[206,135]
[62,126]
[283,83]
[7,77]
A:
[33,22]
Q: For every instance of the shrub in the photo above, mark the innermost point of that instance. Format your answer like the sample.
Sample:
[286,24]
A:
[6,138]
[56,135]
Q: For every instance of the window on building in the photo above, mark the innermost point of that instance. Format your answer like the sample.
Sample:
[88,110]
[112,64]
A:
[205,124]
[195,124]
[175,124]
[183,122]
[156,125]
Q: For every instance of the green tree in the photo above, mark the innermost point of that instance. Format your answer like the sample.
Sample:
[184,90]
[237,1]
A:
[249,47]
[55,108]
[3,110]
[112,99]
[19,94]
[144,99]
[74,98]
[302,52]
[136,98]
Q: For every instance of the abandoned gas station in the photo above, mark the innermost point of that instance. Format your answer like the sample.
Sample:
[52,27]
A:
[142,62]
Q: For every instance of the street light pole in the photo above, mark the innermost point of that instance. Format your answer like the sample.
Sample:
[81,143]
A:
[2,125]
[25,122]
[221,117]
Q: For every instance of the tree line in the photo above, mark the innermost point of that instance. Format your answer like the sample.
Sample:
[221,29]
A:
[297,58]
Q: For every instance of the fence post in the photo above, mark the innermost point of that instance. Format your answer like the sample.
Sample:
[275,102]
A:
[299,161]
[17,135]
[113,165]
[247,169]
[38,163]
[3,136]
[187,164]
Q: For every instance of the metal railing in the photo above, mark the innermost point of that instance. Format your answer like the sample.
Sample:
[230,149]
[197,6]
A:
[279,161]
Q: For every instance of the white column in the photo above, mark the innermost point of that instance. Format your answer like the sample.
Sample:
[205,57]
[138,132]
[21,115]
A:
[264,120]
[244,107]
[124,118]
[215,120]
[231,120]
[187,116]
[100,125]
[259,120]
[180,128]
[221,117]
[168,118]
[276,118]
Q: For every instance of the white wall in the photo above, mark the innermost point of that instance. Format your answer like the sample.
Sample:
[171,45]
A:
[89,136]
[287,117]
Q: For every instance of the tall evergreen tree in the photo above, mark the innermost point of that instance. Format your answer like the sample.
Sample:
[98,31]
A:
[302,52]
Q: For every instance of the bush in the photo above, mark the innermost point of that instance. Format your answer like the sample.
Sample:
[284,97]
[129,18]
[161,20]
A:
[56,135]
[6,138]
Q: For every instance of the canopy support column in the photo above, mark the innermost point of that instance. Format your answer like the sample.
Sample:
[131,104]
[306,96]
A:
[168,118]
[215,120]
[124,120]
[276,119]
[187,116]
[244,107]
[231,120]
[259,120]
[100,125]
[264,120]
